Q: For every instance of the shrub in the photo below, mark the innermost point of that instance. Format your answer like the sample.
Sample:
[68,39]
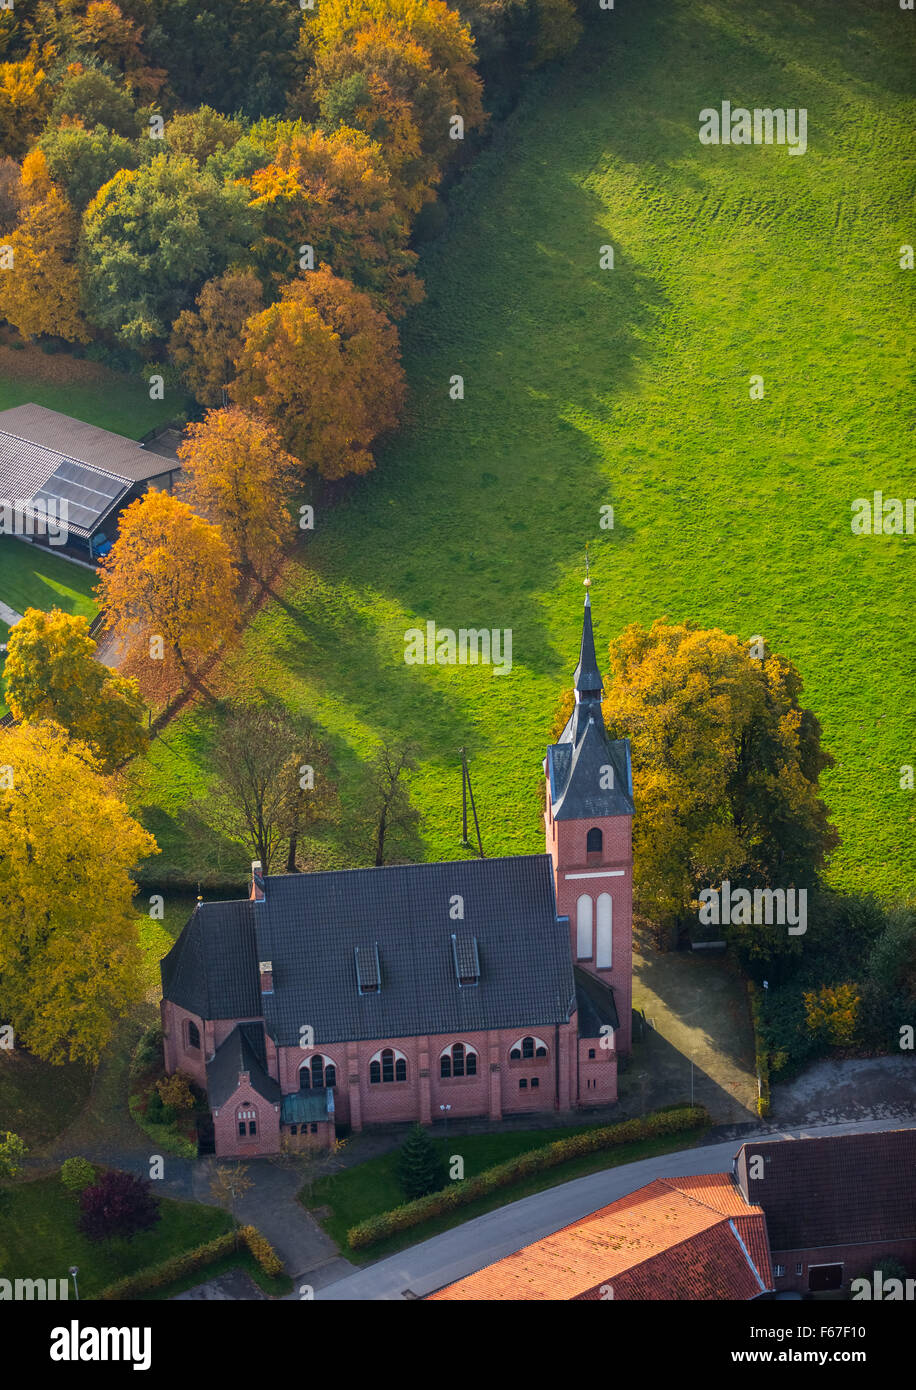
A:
[403,1218]
[262,1250]
[154,1108]
[76,1173]
[175,1092]
[167,1271]
[117,1205]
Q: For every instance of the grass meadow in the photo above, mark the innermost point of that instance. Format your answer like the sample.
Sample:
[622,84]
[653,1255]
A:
[630,388]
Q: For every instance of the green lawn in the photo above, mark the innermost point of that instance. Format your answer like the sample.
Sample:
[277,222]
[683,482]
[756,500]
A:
[370,1188]
[114,402]
[39,1238]
[33,577]
[38,1101]
[630,387]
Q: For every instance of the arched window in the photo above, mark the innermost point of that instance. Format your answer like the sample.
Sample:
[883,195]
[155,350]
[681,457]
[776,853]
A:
[584,928]
[317,1073]
[526,1048]
[604,941]
[247,1119]
[594,841]
[193,1036]
[387,1065]
[458,1060]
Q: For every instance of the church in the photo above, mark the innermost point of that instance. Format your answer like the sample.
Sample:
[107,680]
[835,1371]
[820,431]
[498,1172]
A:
[479,988]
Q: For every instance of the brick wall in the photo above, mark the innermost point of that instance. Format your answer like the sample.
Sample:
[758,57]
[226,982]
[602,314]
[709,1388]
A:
[856,1260]
[611,872]
[266,1116]
[179,1056]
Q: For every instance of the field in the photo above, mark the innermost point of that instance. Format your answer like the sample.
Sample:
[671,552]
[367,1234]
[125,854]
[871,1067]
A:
[630,387]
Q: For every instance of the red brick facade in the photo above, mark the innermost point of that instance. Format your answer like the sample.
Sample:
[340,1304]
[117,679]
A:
[856,1261]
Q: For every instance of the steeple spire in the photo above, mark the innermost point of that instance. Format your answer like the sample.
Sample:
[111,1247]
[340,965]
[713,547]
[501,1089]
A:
[587,677]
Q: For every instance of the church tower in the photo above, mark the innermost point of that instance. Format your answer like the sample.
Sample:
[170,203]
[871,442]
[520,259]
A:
[588,824]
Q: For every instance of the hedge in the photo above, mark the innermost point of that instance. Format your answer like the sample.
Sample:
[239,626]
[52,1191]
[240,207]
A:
[158,1276]
[459,1194]
[761,1051]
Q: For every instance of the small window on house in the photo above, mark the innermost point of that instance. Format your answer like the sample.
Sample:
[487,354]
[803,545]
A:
[375,1073]
[368,969]
[527,1047]
[313,1129]
[516,1054]
[445,1065]
[400,1070]
[472,1063]
[540,1051]
[466,959]
[523,1084]
[387,1065]
[252,1126]
[799,1269]
[241,1129]
[293,1129]
[591,1054]
[193,1036]
[535,1081]
[594,841]
[779,1270]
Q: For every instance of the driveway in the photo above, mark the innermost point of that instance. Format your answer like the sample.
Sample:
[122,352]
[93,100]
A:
[828,1092]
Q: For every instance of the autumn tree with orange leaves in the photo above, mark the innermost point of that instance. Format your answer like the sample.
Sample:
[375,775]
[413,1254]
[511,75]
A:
[237,474]
[323,366]
[169,581]
[332,193]
[205,344]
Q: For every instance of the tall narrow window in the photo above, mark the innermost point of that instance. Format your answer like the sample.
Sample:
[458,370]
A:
[604,947]
[584,928]
[594,841]
[193,1036]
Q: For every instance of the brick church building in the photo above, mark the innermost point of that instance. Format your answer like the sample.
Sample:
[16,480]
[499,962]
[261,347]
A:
[484,987]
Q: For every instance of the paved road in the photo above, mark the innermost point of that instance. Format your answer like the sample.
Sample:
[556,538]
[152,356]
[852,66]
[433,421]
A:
[487,1238]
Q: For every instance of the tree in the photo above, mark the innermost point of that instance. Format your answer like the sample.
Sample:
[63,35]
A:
[170,576]
[89,95]
[9,194]
[254,799]
[892,959]
[12,1151]
[151,237]
[228,1186]
[332,193]
[237,474]
[24,100]
[114,39]
[77,1173]
[175,1091]
[421,1167]
[40,293]
[118,1206]
[206,345]
[70,962]
[52,674]
[445,84]
[202,133]
[81,160]
[833,1013]
[389,805]
[323,367]
[314,799]
[726,765]
[238,55]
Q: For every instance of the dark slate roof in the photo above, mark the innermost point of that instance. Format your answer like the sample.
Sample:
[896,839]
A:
[74,439]
[587,677]
[575,771]
[243,1050]
[846,1189]
[310,924]
[595,1002]
[212,970]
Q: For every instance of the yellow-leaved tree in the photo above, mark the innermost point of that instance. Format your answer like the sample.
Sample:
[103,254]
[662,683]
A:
[168,582]
[51,673]
[70,963]
[39,291]
[237,474]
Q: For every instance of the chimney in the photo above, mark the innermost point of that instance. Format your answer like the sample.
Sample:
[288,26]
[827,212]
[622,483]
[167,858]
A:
[257,882]
[266,968]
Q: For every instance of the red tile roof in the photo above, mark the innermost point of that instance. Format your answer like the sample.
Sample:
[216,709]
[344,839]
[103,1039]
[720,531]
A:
[678,1238]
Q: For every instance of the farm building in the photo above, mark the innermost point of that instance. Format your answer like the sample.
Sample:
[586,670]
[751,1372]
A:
[55,468]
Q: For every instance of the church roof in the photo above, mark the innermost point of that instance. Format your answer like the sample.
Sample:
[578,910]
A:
[314,928]
[243,1050]
[587,676]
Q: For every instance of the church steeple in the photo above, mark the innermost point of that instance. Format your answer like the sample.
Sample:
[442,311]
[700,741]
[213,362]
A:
[587,677]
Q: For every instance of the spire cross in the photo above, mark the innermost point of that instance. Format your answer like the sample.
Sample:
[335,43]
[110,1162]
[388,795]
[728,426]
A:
[586,581]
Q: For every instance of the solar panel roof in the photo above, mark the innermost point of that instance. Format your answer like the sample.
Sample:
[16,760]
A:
[87,492]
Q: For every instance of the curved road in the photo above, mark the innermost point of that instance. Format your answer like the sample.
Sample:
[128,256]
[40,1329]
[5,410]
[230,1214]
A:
[477,1243]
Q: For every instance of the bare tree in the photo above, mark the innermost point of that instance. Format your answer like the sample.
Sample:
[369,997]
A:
[389,800]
